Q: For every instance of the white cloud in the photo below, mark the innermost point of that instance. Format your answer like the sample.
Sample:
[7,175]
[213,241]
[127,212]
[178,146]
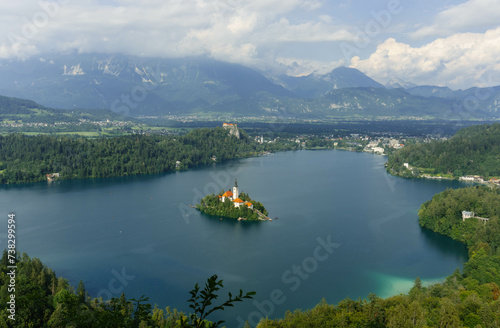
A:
[267,34]
[232,30]
[284,31]
[457,61]
[472,14]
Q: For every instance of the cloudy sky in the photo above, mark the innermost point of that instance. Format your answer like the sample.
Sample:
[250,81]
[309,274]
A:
[454,43]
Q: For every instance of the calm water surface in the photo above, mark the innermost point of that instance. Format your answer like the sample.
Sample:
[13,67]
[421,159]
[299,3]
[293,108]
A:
[137,235]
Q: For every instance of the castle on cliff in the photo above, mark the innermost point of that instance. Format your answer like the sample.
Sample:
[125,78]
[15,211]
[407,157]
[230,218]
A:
[233,129]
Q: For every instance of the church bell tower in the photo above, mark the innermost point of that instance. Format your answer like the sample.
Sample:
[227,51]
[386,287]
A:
[236,192]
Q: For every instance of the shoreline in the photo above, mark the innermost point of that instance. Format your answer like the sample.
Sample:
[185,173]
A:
[430,177]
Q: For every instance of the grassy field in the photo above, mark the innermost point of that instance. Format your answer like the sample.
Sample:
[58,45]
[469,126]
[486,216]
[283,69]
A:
[82,133]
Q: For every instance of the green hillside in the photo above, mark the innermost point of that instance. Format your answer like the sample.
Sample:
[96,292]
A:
[22,110]
[26,116]
[474,150]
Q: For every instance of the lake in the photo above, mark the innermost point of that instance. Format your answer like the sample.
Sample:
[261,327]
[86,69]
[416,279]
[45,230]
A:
[345,228]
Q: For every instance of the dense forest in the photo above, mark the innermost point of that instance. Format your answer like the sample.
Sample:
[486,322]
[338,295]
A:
[474,150]
[26,159]
[467,299]
[212,205]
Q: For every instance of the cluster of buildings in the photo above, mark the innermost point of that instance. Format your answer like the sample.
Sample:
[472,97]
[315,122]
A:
[480,179]
[472,178]
[234,197]
[377,146]
[373,147]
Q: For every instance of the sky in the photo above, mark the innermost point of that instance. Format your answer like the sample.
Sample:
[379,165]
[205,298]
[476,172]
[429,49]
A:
[445,43]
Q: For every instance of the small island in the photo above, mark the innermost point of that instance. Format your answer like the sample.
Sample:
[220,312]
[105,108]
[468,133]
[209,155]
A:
[234,205]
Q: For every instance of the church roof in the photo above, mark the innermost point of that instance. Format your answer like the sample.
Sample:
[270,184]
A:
[237,200]
[228,193]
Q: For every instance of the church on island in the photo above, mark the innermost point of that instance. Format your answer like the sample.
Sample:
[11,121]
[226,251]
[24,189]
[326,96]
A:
[233,196]
[233,204]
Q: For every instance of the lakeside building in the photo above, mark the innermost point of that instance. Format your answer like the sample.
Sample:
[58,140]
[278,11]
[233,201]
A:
[473,178]
[467,215]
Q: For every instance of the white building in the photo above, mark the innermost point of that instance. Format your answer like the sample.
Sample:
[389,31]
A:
[467,215]
[236,192]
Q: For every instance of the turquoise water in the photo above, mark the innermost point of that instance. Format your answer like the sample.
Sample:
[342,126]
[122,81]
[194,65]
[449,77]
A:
[345,228]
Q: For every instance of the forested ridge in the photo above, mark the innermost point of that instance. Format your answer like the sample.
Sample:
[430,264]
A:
[29,158]
[474,150]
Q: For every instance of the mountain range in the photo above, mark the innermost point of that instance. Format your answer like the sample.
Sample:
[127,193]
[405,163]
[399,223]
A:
[139,86]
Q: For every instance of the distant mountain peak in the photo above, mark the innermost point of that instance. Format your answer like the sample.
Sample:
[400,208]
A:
[316,85]
[396,82]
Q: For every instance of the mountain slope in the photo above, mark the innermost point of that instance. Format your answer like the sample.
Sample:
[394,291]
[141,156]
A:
[136,86]
[432,91]
[26,111]
[315,86]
